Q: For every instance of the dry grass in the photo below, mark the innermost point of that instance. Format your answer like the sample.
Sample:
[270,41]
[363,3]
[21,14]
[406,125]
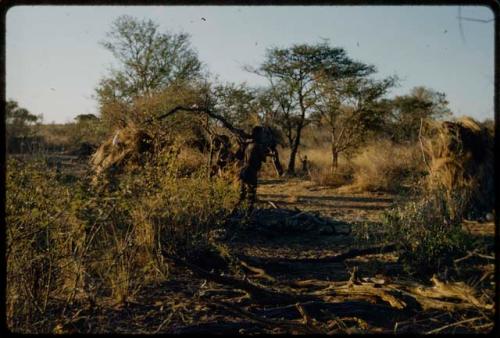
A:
[461,161]
[321,173]
[319,166]
[383,165]
[55,135]
[67,243]
[190,160]
[325,177]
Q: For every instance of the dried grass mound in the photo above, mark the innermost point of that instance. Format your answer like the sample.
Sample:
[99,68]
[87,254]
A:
[461,155]
[127,145]
[384,165]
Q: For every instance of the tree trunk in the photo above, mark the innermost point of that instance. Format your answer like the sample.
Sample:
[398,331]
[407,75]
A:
[335,153]
[293,152]
[277,164]
[335,159]
[291,162]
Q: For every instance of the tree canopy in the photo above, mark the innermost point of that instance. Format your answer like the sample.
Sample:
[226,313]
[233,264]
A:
[149,60]
[293,74]
[406,111]
[350,108]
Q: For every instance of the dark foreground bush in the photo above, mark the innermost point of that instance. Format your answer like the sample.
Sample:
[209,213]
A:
[67,242]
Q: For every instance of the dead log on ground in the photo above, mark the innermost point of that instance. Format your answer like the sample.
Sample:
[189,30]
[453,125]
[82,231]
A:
[257,293]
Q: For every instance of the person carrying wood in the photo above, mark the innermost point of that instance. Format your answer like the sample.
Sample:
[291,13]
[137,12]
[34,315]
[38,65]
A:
[261,145]
[253,150]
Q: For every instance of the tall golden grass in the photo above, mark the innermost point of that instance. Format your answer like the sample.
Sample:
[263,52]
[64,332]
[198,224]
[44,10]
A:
[384,165]
[461,161]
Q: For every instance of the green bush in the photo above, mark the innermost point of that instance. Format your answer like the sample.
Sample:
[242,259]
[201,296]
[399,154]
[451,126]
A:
[428,234]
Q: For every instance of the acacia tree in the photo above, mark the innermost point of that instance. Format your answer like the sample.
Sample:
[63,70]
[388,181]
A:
[349,107]
[407,111]
[148,61]
[292,73]
[236,103]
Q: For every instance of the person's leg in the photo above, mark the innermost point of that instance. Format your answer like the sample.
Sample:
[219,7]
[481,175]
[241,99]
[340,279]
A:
[252,196]
[242,197]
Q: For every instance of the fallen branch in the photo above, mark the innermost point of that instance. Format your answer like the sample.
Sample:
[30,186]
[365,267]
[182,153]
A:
[314,283]
[457,290]
[363,291]
[260,273]
[223,328]
[258,293]
[272,204]
[453,324]
[473,254]
[374,313]
[293,326]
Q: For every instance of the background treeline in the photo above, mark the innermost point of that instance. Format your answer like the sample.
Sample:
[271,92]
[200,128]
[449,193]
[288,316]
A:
[317,97]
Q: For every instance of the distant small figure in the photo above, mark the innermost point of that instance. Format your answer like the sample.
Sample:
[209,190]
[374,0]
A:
[305,165]
[203,19]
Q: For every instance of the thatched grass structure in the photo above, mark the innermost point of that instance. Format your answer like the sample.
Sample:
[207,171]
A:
[461,165]
[132,145]
[127,145]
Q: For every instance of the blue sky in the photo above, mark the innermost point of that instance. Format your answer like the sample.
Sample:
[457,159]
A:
[54,60]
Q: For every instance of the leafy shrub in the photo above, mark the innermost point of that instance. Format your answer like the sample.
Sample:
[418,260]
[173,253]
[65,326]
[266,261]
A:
[428,233]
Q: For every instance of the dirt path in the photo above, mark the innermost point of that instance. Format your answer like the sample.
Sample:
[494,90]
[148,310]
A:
[278,253]
[345,210]
[308,196]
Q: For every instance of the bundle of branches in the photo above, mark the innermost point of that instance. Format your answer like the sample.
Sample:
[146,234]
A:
[126,145]
[461,163]
[130,144]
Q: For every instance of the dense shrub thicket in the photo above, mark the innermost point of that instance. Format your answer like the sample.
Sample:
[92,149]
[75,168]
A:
[67,242]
